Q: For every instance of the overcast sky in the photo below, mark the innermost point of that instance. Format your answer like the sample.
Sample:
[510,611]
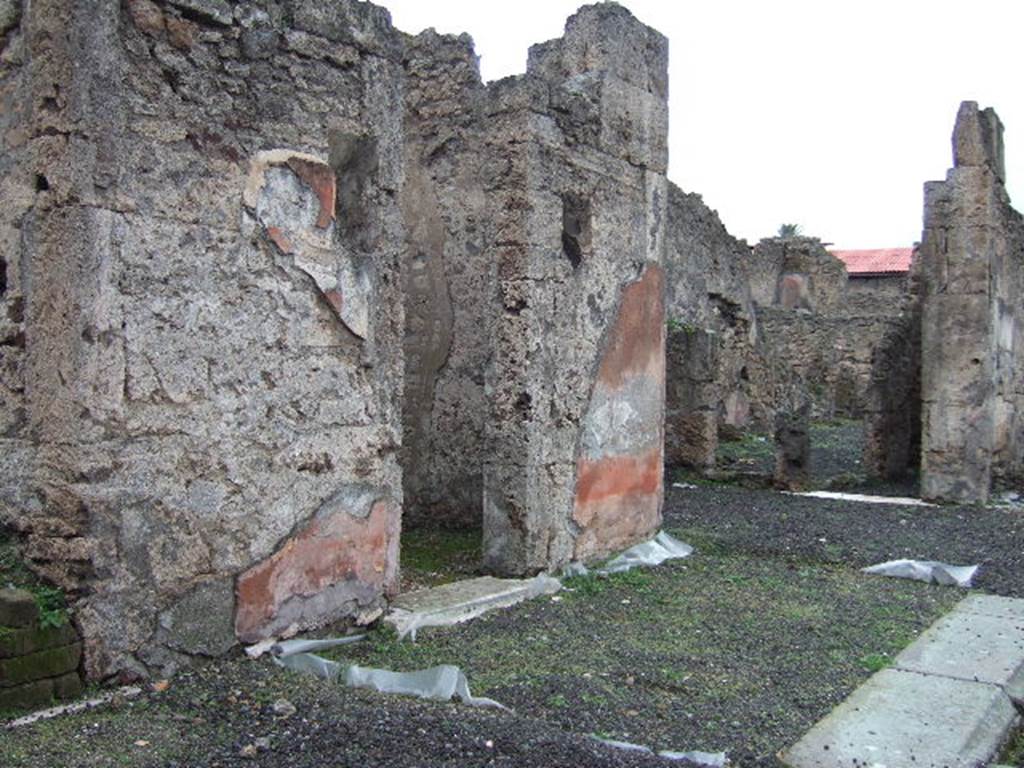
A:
[826,114]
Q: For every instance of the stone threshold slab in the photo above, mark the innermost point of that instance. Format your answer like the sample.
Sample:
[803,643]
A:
[947,701]
[463,600]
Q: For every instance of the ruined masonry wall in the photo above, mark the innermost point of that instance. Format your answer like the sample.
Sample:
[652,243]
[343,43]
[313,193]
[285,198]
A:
[972,252]
[576,158]
[206,242]
[708,291]
[450,284]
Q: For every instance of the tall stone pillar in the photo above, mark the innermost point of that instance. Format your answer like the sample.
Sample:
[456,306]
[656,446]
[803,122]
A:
[971,272]
[575,173]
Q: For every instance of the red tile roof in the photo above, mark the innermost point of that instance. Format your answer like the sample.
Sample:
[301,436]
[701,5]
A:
[879,261]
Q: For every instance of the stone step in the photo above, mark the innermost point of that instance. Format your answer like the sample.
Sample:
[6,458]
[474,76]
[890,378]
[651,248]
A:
[947,701]
[463,600]
[971,646]
[903,719]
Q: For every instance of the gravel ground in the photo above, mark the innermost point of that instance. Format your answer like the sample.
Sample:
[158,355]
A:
[223,714]
[716,652]
[740,648]
[801,529]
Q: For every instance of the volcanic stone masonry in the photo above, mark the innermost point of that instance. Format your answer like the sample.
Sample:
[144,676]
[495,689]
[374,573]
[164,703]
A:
[972,252]
[276,278]
[577,151]
[215,218]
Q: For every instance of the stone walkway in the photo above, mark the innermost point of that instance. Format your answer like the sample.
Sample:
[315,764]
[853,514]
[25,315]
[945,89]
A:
[949,700]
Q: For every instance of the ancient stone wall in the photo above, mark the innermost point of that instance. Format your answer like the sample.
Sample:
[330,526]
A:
[216,219]
[692,396]
[708,290]
[881,288]
[450,282]
[816,331]
[202,240]
[972,253]
[892,400]
[575,175]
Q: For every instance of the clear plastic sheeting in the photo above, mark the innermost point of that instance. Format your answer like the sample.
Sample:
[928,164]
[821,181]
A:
[292,647]
[653,552]
[926,570]
[708,759]
[441,683]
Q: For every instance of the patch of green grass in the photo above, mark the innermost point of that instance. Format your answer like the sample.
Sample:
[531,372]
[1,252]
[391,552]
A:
[14,572]
[1014,752]
[750,450]
[558,701]
[432,557]
[755,651]
[875,662]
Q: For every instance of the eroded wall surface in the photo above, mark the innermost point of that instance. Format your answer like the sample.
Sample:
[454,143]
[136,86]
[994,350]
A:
[575,176]
[972,254]
[709,291]
[201,416]
[450,282]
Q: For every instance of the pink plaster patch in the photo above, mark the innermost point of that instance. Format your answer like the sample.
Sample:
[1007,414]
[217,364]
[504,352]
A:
[618,501]
[619,495]
[320,178]
[337,549]
[335,299]
[279,239]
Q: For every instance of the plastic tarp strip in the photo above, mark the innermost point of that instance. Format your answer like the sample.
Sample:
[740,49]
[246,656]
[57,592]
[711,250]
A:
[709,759]
[438,683]
[653,552]
[926,570]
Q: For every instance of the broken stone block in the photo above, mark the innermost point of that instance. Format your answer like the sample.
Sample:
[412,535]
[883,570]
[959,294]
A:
[52,662]
[978,139]
[793,447]
[201,622]
[18,608]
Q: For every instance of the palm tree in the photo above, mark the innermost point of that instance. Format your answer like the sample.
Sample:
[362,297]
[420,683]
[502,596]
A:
[789,230]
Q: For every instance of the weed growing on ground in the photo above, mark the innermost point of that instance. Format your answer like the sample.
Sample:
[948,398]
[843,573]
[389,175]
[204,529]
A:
[875,662]
[1014,753]
[15,573]
[434,557]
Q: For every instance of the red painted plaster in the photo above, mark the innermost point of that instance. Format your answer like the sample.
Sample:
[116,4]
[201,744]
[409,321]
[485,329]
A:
[328,551]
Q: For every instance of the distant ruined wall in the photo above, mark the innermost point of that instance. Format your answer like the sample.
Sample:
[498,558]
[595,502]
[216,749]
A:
[750,327]
[818,333]
[972,253]
[575,176]
[201,403]
[708,290]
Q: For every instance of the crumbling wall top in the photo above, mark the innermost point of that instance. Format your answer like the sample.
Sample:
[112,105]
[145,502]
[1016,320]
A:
[605,37]
[978,139]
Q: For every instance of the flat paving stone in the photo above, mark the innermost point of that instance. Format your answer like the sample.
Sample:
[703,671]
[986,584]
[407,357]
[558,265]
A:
[969,646]
[901,719]
[993,605]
